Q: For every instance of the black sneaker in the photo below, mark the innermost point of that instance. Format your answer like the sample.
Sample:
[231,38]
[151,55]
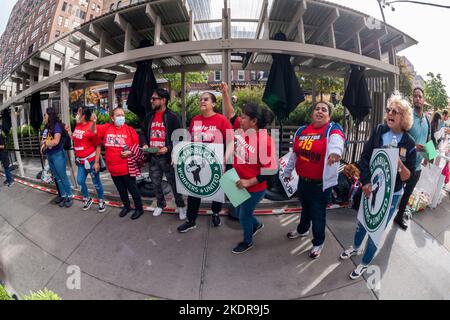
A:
[256,230]
[87,204]
[216,220]
[402,222]
[137,214]
[69,202]
[185,227]
[57,200]
[242,247]
[62,203]
[124,212]
[101,206]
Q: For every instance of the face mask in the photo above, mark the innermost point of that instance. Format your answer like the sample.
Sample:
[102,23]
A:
[119,121]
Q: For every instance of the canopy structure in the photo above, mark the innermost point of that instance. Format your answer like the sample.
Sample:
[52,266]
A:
[196,35]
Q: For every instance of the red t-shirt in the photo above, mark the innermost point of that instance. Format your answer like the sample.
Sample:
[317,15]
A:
[237,123]
[114,139]
[209,130]
[253,153]
[311,148]
[158,131]
[84,141]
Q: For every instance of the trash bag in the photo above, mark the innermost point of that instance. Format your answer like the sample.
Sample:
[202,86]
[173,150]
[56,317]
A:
[341,191]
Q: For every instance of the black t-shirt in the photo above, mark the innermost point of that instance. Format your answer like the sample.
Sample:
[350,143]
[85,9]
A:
[4,159]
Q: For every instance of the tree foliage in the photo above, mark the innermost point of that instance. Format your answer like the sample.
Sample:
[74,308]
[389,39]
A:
[435,93]
[406,79]
[191,77]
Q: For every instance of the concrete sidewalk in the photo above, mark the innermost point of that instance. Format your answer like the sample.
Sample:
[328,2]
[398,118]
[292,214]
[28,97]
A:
[124,259]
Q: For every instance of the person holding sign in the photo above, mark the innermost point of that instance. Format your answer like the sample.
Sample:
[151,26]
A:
[254,153]
[392,134]
[207,127]
[318,148]
[157,134]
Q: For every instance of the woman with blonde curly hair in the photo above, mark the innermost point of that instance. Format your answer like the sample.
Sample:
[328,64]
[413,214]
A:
[392,134]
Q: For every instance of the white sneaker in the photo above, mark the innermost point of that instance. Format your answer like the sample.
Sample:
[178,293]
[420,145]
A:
[182,213]
[157,211]
[358,272]
[315,252]
[348,253]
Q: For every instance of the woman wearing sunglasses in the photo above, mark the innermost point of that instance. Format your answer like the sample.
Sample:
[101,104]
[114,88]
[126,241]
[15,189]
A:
[207,127]
[392,134]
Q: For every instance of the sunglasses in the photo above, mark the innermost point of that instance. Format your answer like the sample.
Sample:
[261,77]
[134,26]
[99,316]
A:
[394,112]
[155,98]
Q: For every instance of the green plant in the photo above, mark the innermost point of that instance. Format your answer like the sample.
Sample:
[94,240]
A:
[41,295]
[4,295]
[26,131]
[132,119]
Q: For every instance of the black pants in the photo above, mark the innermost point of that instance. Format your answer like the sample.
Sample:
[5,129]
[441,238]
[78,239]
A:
[409,188]
[194,205]
[160,166]
[314,209]
[125,184]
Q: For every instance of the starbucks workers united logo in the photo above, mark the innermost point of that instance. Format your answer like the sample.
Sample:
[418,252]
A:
[376,207]
[199,170]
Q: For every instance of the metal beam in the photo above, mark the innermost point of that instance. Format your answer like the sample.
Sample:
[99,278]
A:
[298,18]
[376,35]
[213,46]
[360,26]
[332,17]
[16,141]
[130,33]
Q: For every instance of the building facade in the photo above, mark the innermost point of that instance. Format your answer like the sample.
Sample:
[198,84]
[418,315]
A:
[35,23]
[112,5]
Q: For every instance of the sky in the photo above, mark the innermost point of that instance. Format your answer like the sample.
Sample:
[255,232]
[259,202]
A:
[428,25]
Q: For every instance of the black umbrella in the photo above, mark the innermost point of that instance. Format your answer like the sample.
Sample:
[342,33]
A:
[283,92]
[144,83]
[36,117]
[356,97]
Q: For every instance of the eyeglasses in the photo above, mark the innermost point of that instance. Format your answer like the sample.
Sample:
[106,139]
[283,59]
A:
[394,112]
[155,98]
[204,99]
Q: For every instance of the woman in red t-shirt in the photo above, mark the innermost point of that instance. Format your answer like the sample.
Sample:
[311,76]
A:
[87,149]
[318,148]
[207,127]
[118,139]
[254,161]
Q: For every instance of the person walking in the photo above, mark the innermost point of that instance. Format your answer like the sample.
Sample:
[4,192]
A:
[120,140]
[421,133]
[318,148]
[157,134]
[4,159]
[87,148]
[393,134]
[52,145]
[207,127]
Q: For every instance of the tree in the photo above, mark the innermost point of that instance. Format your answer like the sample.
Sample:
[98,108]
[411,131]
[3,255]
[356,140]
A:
[406,79]
[324,85]
[191,77]
[435,93]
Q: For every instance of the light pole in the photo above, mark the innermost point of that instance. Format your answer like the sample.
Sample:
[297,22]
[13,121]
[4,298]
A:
[384,3]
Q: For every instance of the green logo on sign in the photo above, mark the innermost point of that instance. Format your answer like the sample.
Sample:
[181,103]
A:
[199,170]
[377,205]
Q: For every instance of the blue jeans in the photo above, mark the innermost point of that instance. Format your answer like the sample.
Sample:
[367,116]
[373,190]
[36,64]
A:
[361,232]
[245,212]
[81,180]
[57,162]
[8,175]
[314,209]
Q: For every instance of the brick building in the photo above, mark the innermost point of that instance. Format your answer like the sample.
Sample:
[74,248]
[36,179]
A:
[35,23]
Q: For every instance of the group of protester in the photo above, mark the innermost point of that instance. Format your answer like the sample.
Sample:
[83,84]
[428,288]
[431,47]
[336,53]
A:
[317,151]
